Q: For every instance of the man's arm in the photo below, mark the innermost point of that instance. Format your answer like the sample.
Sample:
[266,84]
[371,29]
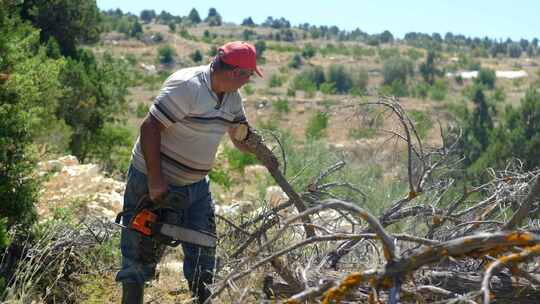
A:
[151,130]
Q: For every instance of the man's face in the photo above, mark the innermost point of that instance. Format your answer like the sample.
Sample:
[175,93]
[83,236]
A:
[238,77]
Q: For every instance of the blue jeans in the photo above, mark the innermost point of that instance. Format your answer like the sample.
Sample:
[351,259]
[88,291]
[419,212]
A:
[198,261]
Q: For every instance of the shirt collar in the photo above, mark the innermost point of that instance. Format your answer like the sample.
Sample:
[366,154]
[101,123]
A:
[207,78]
[208,82]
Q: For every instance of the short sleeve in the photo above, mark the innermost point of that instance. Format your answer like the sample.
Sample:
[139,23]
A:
[172,104]
[238,109]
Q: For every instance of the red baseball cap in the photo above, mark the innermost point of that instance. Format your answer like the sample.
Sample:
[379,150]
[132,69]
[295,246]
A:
[240,54]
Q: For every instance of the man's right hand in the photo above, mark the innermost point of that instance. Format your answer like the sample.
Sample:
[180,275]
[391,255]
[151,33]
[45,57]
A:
[157,189]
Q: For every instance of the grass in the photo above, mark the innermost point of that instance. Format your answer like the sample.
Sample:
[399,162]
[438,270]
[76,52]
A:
[360,132]
[283,48]
[317,125]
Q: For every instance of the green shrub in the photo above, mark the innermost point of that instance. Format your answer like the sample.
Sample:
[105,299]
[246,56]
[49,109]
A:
[238,160]
[420,90]
[486,77]
[317,125]
[184,33]
[291,92]
[166,54]
[467,62]
[459,79]
[397,88]
[341,78]
[360,79]
[358,51]
[385,53]
[131,59]
[308,51]
[221,177]
[397,68]
[499,94]
[141,110]
[328,88]
[414,54]
[438,90]
[281,106]
[296,61]
[113,148]
[284,48]
[306,160]
[309,79]
[275,80]
[248,89]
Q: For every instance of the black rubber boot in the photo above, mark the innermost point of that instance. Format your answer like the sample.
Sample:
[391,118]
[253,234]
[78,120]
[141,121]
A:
[200,291]
[132,293]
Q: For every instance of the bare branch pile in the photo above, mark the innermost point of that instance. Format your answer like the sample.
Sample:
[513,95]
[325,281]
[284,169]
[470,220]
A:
[438,244]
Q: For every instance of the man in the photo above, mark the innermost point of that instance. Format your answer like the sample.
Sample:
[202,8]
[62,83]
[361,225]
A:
[174,153]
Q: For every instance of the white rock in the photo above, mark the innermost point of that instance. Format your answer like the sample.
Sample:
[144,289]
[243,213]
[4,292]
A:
[511,74]
[69,160]
[51,166]
[275,196]
[498,74]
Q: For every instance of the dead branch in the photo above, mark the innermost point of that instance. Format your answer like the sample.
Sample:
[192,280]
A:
[255,143]
[525,208]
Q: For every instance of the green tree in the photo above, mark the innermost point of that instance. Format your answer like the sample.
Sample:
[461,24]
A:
[428,68]
[29,91]
[165,18]
[517,136]
[147,15]
[248,22]
[477,127]
[514,50]
[196,56]
[260,47]
[194,17]
[486,77]
[70,22]
[136,30]
[95,96]
[213,18]
[172,27]
[386,37]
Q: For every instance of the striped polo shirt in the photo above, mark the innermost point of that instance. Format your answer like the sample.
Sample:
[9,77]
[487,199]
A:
[194,123]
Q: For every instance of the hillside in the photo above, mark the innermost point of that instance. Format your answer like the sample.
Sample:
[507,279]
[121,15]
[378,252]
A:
[415,158]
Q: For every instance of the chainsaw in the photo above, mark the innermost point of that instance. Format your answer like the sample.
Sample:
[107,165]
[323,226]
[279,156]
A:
[163,221]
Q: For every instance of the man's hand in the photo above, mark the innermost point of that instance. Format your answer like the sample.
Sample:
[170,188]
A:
[238,136]
[157,189]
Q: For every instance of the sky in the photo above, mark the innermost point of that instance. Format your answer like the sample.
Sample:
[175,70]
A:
[498,19]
